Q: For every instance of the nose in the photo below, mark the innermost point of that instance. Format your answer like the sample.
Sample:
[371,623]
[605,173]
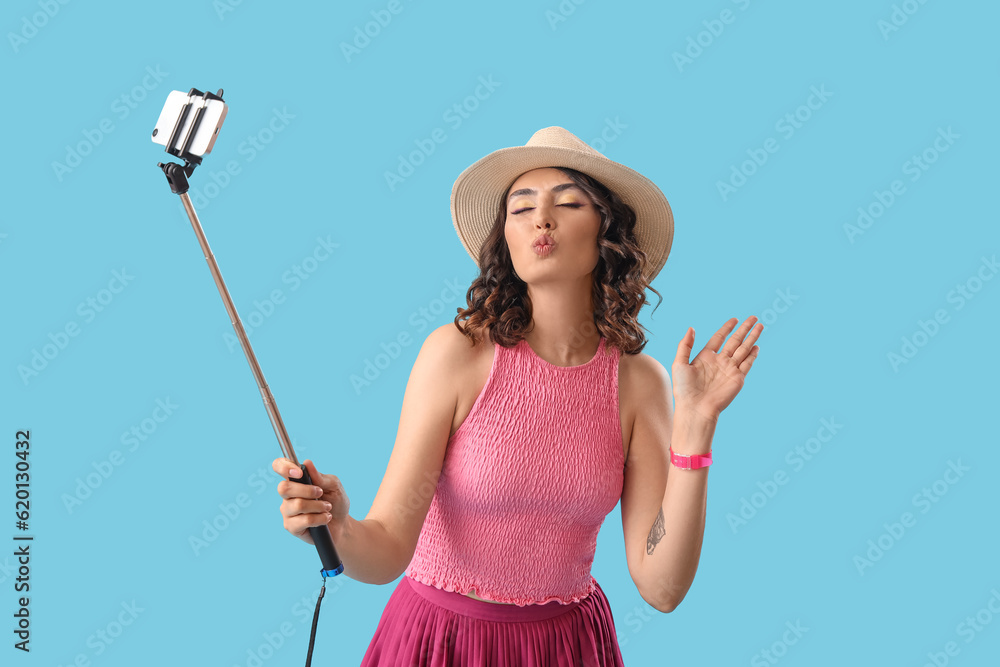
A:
[544,218]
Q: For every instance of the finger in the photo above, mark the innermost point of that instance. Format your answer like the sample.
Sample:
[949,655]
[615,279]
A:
[745,342]
[321,479]
[715,342]
[754,334]
[315,475]
[300,523]
[281,465]
[684,348]
[748,362]
[291,489]
[296,506]
[741,352]
[286,468]
[734,342]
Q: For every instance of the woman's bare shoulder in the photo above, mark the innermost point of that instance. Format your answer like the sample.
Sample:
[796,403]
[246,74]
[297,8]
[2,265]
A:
[448,342]
[640,371]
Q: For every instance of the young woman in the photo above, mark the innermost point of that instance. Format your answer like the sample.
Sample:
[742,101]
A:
[528,419]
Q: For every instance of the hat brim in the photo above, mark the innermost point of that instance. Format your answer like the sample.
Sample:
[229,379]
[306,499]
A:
[475,196]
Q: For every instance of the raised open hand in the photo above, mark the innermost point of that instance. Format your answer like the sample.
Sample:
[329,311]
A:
[710,382]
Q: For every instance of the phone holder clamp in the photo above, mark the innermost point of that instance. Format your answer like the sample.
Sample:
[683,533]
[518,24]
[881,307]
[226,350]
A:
[176,174]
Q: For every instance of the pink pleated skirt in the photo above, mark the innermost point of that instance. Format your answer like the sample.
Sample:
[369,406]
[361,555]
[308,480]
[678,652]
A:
[423,626]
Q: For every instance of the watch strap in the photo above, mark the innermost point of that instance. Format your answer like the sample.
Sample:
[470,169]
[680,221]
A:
[690,461]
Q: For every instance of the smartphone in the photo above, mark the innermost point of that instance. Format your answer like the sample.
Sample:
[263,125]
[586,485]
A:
[182,106]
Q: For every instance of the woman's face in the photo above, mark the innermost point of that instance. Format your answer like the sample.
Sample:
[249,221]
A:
[547,202]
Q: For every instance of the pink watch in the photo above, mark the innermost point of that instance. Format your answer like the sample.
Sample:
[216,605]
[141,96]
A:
[690,462]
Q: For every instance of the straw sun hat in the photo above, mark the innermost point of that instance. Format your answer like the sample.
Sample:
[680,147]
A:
[474,195]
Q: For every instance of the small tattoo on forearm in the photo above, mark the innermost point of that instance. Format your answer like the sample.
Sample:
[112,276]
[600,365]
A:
[655,534]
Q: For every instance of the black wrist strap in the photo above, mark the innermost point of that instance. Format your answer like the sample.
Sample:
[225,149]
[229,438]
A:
[312,633]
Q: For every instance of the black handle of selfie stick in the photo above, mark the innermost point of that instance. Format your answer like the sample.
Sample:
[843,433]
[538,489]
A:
[321,538]
[177,178]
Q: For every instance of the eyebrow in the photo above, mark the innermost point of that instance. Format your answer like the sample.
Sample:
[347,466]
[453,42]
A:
[529,191]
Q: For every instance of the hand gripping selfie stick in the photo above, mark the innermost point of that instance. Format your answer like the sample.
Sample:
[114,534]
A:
[192,136]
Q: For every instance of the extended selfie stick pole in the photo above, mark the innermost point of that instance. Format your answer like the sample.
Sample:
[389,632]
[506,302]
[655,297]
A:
[177,178]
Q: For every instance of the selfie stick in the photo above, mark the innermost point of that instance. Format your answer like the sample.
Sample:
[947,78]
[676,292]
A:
[177,178]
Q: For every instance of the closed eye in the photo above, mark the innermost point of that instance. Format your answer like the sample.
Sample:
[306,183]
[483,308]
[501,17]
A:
[522,210]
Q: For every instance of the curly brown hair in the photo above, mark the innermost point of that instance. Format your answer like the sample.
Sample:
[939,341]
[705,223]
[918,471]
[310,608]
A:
[498,299]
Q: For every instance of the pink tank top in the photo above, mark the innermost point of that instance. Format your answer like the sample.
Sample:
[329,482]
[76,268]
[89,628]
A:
[527,481]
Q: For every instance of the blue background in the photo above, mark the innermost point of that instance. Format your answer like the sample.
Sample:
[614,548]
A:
[836,307]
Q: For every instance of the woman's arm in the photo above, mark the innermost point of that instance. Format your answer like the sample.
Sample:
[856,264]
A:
[378,548]
[673,545]
[663,508]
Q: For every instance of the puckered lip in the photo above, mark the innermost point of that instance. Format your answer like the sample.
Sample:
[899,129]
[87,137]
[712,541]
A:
[544,239]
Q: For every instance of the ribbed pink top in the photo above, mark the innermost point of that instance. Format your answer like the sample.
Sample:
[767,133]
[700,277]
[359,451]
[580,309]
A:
[527,481]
